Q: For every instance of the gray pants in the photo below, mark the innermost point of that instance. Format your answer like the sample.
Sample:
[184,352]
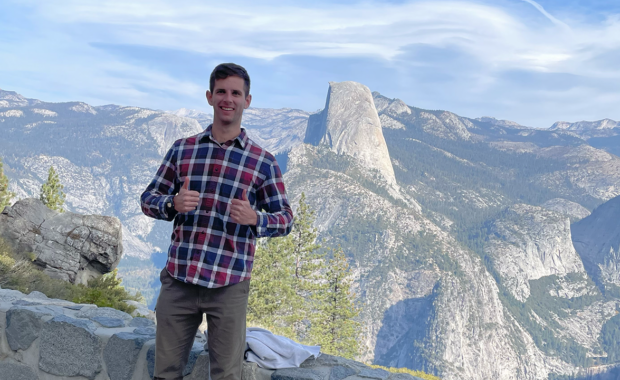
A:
[179,313]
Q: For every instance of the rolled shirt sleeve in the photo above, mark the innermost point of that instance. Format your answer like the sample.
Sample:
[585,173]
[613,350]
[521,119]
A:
[162,188]
[275,216]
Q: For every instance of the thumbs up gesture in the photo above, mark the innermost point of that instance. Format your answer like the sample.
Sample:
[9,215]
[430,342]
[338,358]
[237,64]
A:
[241,212]
[186,200]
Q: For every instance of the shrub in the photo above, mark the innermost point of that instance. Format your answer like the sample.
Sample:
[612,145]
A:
[19,273]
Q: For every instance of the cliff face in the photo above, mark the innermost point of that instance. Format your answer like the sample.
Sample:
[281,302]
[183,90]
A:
[573,210]
[448,281]
[426,302]
[528,243]
[429,302]
[350,125]
[597,239]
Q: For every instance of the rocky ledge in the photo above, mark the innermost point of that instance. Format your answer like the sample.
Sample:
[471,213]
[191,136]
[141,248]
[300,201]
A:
[72,247]
[51,339]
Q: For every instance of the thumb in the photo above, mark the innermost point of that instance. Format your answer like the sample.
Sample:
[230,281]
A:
[185,184]
[244,195]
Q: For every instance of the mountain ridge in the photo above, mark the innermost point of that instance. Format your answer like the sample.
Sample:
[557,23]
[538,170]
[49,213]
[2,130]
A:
[431,297]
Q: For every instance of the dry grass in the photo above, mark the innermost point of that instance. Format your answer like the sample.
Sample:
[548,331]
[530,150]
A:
[419,374]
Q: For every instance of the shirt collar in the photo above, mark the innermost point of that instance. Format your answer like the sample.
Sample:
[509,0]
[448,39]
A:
[242,139]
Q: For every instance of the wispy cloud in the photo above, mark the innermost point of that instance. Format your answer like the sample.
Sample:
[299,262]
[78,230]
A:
[547,15]
[482,47]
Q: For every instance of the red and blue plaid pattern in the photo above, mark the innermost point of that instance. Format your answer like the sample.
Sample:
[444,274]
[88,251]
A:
[207,248]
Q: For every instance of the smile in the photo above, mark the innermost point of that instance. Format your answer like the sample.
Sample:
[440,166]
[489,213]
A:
[226,108]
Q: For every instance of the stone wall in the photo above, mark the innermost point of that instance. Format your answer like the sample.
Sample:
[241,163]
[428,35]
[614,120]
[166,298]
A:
[51,339]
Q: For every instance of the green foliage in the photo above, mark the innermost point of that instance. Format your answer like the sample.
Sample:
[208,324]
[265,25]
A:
[291,288]
[52,194]
[141,275]
[20,274]
[370,179]
[5,194]
[284,277]
[333,325]
[309,265]
[105,291]
[469,181]
[304,237]
[419,374]
[273,302]
[546,307]
[547,335]
[610,338]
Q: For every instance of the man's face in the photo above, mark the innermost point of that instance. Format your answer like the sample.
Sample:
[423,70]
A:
[228,100]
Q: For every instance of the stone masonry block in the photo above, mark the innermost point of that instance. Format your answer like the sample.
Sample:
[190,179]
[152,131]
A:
[109,322]
[121,354]
[23,327]
[37,295]
[325,360]
[69,347]
[201,370]
[106,312]
[193,356]
[376,373]
[296,374]
[403,376]
[251,371]
[340,372]
[141,322]
[14,371]
[150,331]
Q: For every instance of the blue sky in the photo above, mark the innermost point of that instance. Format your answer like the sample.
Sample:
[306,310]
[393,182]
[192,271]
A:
[531,62]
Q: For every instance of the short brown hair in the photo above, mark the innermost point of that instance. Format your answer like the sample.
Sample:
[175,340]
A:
[225,70]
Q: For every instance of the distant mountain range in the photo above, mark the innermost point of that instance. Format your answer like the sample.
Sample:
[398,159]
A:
[458,230]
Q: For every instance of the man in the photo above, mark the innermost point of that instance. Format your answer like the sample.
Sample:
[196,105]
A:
[223,191]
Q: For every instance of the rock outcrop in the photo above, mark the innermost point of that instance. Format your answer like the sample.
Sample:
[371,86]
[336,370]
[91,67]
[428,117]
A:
[42,338]
[573,210]
[528,243]
[588,129]
[597,239]
[68,246]
[442,124]
[350,125]
[426,302]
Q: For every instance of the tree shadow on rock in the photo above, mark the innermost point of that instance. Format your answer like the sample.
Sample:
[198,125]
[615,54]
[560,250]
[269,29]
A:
[400,341]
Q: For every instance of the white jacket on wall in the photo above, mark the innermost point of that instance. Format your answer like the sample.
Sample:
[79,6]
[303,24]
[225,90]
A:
[274,351]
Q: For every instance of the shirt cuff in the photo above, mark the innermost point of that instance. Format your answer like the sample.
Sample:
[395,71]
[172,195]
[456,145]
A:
[164,210]
[261,225]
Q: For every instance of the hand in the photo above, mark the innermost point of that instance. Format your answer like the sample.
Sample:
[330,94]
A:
[186,200]
[241,212]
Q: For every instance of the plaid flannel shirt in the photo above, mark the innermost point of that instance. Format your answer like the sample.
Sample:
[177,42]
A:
[207,248]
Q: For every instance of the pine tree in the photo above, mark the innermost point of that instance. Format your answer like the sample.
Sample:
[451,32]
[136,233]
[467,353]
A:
[333,326]
[304,238]
[51,192]
[295,293]
[5,194]
[273,302]
[285,274]
[309,265]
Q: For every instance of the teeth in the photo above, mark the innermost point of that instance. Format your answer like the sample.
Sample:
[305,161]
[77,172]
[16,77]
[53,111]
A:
[227,109]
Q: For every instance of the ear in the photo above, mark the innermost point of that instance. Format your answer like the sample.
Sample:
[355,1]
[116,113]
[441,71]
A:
[209,97]
[248,100]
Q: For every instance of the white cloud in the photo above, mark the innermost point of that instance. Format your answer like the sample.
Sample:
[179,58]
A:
[498,39]
[546,14]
